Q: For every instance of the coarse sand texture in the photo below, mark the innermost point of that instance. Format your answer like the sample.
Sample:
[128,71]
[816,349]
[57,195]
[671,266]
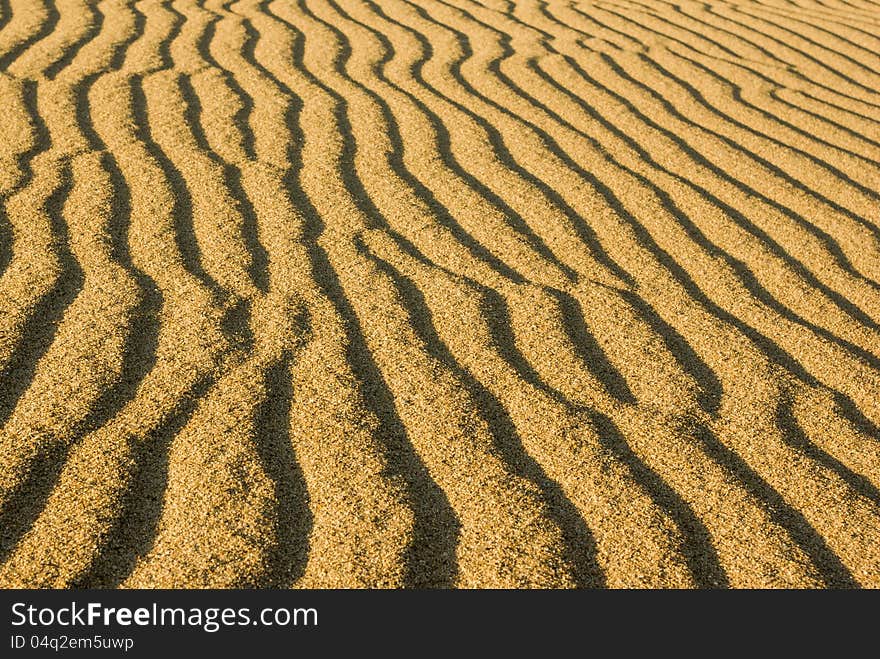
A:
[440,293]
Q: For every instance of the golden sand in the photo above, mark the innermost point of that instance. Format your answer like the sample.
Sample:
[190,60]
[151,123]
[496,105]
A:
[431,293]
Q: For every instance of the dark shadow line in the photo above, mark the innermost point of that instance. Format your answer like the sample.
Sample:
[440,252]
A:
[737,98]
[121,50]
[430,558]
[821,10]
[833,572]
[138,359]
[859,8]
[365,203]
[696,546]
[710,386]
[290,549]
[441,214]
[708,9]
[133,531]
[854,415]
[678,13]
[587,348]
[411,250]
[141,339]
[5,238]
[259,257]
[745,275]
[140,344]
[138,349]
[24,161]
[748,279]
[46,28]
[235,324]
[496,312]
[182,210]
[42,325]
[840,108]
[241,119]
[826,20]
[5,13]
[580,545]
[789,16]
[793,435]
[164,47]
[866,7]
[120,212]
[25,503]
[861,137]
[711,390]
[72,50]
[42,139]
[749,69]
[668,37]
[593,21]
[777,495]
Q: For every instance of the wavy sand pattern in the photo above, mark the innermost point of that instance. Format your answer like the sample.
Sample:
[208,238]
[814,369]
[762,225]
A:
[430,293]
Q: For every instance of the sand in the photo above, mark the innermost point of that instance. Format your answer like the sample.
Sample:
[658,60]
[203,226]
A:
[440,293]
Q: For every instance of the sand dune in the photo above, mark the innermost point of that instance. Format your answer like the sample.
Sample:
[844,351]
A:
[432,293]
